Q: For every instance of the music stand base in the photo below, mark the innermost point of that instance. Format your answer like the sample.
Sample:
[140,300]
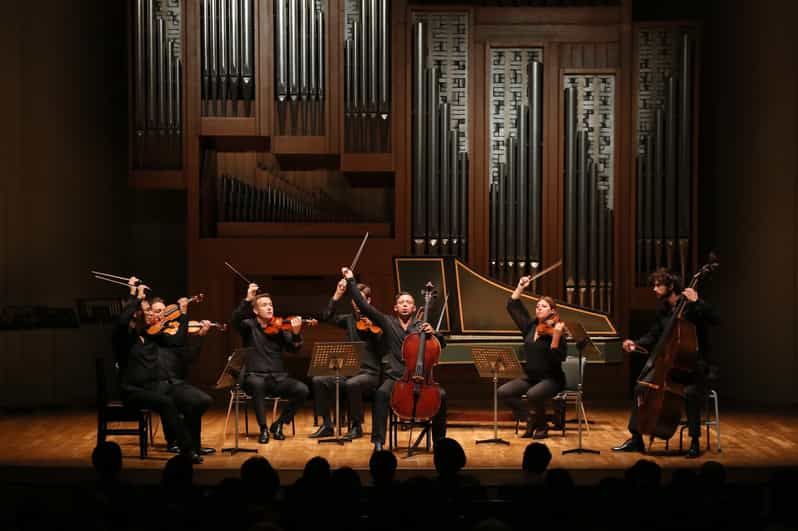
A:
[339,440]
[580,451]
[496,441]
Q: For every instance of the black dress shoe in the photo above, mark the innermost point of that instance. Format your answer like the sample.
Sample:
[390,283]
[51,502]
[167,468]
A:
[194,456]
[355,433]
[172,448]
[695,449]
[207,451]
[277,431]
[632,444]
[324,430]
[264,435]
[541,432]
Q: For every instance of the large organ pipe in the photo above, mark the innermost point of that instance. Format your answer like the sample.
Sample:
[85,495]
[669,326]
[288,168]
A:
[512,185]
[453,191]
[593,232]
[223,55]
[139,58]
[462,225]
[247,52]
[648,208]
[303,49]
[501,225]
[494,229]
[364,57]
[670,171]
[433,189]
[293,50]
[639,214]
[235,53]
[160,52]
[523,190]
[581,214]
[535,86]
[281,55]
[601,230]
[170,89]
[374,55]
[213,66]
[152,118]
[659,161]
[446,183]
[206,81]
[385,61]
[313,53]
[686,146]
[419,138]
[570,196]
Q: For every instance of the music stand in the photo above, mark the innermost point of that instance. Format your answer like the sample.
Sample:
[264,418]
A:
[586,348]
[233,376]
[490,361]
[340,358]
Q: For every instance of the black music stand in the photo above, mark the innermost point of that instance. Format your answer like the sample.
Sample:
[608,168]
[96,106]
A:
[586,348]
[340,358]
[233,376]
[490,361]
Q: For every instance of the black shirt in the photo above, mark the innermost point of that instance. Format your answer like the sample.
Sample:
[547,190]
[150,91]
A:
[393,333]
[372,357]
[268,349]
[175,352]
[542,361]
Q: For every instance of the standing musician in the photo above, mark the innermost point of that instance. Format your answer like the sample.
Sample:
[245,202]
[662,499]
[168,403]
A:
[144,382]
[265,373]
[175,356]
[368,377]
[544,351]
[395,328]
[667,288]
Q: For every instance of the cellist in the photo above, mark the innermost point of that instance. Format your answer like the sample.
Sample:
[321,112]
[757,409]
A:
[667,287]
[394,330]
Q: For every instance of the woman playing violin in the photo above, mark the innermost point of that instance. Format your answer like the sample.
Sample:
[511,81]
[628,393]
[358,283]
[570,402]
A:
[265,372]
[358,328]
[544,350]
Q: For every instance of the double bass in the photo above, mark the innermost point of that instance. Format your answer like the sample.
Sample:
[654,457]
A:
[416,396]
[660,403]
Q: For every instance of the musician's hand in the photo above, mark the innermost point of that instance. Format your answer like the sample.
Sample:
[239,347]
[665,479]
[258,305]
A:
[132,281]
[347,273]
[296,325]
[182,303]
[690,294]
[340,289]
[629,345]
[524,282]
[559,327]
[140,289]
[251,291]
[427,328]
[205,326]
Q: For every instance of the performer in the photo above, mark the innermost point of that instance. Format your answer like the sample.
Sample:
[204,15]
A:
[395,328]
[142,377]
[175,357]
[667,287]
[265,373]
[544,351]
[368,377]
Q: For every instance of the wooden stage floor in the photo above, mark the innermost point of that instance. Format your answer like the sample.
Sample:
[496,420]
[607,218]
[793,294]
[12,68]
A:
[53,446]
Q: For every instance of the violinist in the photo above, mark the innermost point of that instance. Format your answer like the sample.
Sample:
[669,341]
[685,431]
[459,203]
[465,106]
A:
[544,350]
[265,373]
[668,287]
[367,379]
[394,328]
[142,377]
[175,356]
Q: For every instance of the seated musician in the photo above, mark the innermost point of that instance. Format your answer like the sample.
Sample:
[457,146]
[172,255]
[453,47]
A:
[394,328]
[265,373]
[175,356]
[143,380]
[368,377]
[544,351]
[667,288]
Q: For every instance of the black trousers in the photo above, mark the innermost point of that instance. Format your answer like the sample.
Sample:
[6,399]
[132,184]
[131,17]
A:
[179,405]
[536,391]
[259,386]
[382,408]
[695,393]
[355,388]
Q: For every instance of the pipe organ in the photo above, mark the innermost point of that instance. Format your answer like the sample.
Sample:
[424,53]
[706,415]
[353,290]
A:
[511,138]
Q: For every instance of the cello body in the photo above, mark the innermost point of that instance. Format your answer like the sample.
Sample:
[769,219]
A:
[412,397]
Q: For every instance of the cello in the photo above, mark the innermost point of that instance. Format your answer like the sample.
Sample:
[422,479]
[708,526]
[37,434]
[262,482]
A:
[660,403]
[416,396]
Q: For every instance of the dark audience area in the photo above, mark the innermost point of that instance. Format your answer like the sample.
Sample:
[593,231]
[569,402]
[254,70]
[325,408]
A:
[327,498]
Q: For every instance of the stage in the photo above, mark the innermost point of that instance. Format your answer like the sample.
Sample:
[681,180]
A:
[55,447]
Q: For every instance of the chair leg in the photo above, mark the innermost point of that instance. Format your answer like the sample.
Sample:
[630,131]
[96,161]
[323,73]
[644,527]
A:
[584,417]
[246,418]
[274,410]
[143,433]
[717,419]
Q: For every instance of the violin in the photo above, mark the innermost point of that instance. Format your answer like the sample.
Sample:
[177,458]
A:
[546,327]
[279,324]
[364,324]
[170,314]
[194,327]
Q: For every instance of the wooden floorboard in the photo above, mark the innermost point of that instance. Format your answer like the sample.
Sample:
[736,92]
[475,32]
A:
[59,444]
